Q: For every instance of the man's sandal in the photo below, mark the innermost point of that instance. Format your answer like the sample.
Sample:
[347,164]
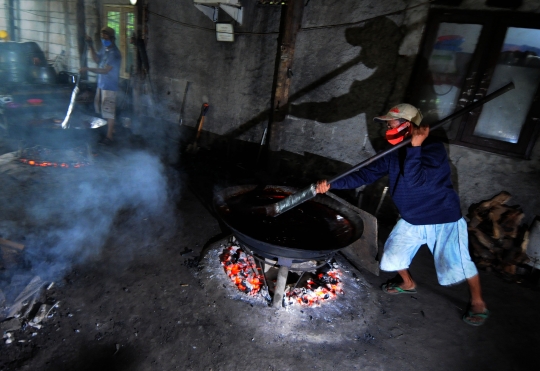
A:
[399,290]
[476,319]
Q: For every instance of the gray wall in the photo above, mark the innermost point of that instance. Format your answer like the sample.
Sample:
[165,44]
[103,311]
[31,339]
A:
[346,75]
[235,79]
[343,76]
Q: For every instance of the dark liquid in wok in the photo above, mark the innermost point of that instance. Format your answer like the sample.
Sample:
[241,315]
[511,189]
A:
[309,226]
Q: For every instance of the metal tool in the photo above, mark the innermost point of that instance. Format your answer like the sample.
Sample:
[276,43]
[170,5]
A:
[193,148]
[309,192]
[95,122]
[182,109]
[263,140]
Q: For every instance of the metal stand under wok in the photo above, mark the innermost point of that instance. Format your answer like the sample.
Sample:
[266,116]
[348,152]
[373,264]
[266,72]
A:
[284,265]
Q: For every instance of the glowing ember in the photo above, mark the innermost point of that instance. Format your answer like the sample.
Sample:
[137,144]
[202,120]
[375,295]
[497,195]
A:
[53,164]
[242,270]
[46,157]
[325,286]
[240,267]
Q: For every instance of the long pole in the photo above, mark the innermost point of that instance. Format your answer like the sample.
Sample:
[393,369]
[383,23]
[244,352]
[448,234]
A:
[309,192]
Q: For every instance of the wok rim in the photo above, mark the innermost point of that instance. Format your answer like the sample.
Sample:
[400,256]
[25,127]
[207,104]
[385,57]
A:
[272,250]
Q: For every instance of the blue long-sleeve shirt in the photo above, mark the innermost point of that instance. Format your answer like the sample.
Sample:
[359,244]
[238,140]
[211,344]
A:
[419,182]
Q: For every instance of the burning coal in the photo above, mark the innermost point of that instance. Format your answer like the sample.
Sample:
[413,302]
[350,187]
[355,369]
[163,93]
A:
[325,286]
[45,157]
[52,164]
[242,270]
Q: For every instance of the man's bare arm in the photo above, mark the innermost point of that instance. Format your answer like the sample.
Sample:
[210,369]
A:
[90,43]
[101,71]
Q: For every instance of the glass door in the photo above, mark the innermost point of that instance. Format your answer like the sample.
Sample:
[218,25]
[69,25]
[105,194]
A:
[448,63]
[518,62]
[122,19]
[469,54]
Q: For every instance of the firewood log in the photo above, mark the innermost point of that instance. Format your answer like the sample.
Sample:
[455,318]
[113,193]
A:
[486,226]
[484,264]
[506,243]
[475,220]
[509,268]
[475,216]
[499,199]
[510,222]
[525,242]
[508,256]
[479,250]
[522,256]
[497,239]
[497,231]
[483,238]
[480,211]
[495,214]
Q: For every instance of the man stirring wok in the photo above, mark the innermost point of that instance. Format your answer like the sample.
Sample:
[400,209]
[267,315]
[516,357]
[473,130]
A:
[421,187]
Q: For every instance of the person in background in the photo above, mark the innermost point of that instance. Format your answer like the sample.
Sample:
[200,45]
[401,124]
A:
[109,61]
[421,187]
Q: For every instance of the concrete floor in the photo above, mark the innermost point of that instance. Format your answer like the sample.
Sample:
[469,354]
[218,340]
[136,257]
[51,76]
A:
[131,300]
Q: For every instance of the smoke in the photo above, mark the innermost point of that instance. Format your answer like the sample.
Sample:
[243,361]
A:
[70,215]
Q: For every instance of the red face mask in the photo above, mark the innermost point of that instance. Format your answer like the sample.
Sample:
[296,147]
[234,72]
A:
[396,135]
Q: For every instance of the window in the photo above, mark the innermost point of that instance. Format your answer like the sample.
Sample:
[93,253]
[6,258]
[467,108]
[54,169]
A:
[467,55]
[122,20]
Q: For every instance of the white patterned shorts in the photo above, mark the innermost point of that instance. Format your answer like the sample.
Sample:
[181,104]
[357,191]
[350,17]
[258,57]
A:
[105,103]
[448,243]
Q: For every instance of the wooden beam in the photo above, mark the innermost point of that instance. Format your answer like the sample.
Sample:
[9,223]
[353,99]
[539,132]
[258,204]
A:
[291,21]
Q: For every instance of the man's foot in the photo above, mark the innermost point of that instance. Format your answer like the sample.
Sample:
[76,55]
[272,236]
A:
[395,289]
[106,141]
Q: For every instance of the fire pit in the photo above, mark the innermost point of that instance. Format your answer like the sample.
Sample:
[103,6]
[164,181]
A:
[59,158]
[312,232]
[320,284]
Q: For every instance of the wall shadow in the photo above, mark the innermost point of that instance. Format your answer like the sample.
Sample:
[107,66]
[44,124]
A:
[380,40]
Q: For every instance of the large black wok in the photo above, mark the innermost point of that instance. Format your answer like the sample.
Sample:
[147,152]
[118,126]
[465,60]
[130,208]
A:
[314,231]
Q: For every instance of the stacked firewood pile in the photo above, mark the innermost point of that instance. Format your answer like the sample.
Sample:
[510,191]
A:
[497,239]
